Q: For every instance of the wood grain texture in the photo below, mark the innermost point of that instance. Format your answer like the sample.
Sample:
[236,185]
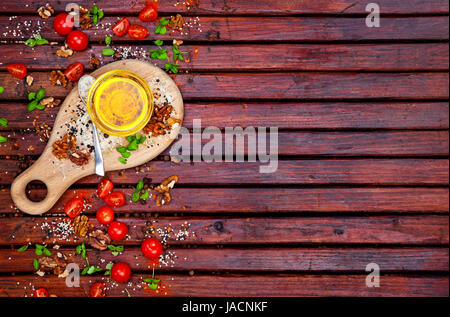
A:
[232,7]
[408,143]
[407,230]
[323,115]
[275,57]
[244,285]
[333,171]
[254,29]
[260,200]
[251,259]
[275,86]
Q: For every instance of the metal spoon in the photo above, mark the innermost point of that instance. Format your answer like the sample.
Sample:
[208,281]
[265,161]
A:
[83,87]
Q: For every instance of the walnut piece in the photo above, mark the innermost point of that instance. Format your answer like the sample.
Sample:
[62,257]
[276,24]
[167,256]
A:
[64,51]
[46,11]
[99,240]
[156,125]
[62,147]
[57,77]
[81,225]
[85,20]
[176,22]
[80,158]
[30,80]
[163,189]
[55,264]
[50,102]
[43,131]
[94,62]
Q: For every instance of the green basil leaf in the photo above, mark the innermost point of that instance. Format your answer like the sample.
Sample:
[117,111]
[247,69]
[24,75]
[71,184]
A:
[121,149]
[108,40]
[4,122]
[164,21]
[109,265]
[108,272]
[91,270]
[3,139]
[23,249]
[135,197]
[126,154]
[153,286]
[30,42]
[111,247]
[85,270]
[31,95]
[94,9]
[100,14]
[32,105]
[140,185]
[108,52]
[158,42]
[40,94]
[115,253]
[47,252]
[41,42]
[40,107]
[2,89]
[78,249]
[122,160]
[145,195]
[36,264]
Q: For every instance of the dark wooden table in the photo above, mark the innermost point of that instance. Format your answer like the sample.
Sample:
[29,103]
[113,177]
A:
[363,144]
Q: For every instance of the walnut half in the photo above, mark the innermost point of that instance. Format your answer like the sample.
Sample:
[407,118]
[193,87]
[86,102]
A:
[99,240]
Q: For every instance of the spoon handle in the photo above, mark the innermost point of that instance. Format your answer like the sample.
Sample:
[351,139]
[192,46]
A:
[99,168]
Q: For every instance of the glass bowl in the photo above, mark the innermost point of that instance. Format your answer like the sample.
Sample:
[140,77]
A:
[120,103]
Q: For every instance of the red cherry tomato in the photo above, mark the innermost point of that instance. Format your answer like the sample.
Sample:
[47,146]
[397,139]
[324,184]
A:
[18,70]
[74,207]
[151,248]
[41,292]
[117,230]
[77,40]
[105,215]
[115,199]
[137,32]
[121,27]
[104,188]
[98,290]
[120,272]
[63,23]
[74,71]
[148,14]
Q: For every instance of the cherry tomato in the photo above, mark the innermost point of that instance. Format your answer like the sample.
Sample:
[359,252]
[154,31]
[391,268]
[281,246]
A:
[117,230]
[104,188]
[74,71]
[18,70]
[137,32]
[148,14]
[98,290]
[105,215]
[41,292]
[115,199]
[74,207]
[63,23]
[77,40]
[121,27]
[120,272]
[151,248]
[153,3]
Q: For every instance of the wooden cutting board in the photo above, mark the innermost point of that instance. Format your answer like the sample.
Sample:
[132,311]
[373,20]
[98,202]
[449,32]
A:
[58,175]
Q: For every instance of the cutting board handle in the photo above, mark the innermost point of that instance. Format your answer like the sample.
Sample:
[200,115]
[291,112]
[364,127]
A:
[39,171]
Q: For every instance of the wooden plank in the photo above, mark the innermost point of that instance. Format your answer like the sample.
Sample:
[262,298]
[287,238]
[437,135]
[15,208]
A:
[254,29]
[275,86]
[333,171]
[323,115]
[275,57]
[231,7]
[251,259]
[240,285]
[185,200]
[408,230]
[407,143]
